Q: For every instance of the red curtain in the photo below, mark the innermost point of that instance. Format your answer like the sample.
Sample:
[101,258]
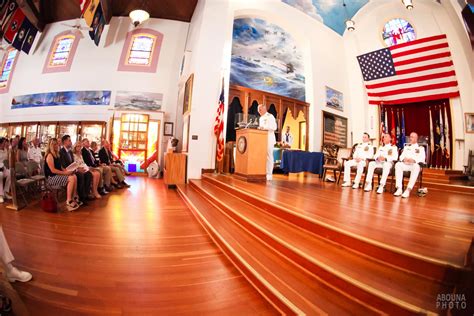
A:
[417,119]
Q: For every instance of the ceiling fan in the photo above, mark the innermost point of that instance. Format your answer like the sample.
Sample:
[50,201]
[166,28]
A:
[77,25]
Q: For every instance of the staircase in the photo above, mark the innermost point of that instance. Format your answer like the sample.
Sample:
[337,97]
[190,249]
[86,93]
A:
[304,267]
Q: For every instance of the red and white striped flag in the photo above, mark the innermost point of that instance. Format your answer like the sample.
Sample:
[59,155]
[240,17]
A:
[416,71]
[219,127]
[83,4]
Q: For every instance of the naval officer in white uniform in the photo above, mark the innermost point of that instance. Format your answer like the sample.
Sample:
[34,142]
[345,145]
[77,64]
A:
[363,151]
[384,158]
[410,158]
[267,122]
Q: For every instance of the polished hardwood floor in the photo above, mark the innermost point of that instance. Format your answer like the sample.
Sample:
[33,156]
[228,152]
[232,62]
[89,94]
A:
[136,252]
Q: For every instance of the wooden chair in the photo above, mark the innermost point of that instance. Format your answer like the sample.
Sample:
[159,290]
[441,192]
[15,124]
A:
[336,164]
[378,172]
[469,168]
[406,174]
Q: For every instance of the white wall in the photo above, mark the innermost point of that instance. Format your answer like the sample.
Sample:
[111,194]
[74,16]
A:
[210,41]
[428,18]
[95,68]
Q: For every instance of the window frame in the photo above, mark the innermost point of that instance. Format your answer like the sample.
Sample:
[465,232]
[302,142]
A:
[4,60]
[72,53]
[127,47]
[390,20]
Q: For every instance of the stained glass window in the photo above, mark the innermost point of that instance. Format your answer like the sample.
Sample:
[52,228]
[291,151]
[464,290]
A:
[7,67]
[141,50]
[62,49]
[398,31]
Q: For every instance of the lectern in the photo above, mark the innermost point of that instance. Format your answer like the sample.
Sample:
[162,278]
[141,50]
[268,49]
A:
[251,156]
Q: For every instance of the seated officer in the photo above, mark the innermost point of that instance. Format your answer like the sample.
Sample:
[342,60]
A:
[363,151]
[384,158]
[410,158]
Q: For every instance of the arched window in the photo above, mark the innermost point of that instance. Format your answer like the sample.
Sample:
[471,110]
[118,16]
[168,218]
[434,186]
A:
[141,51]
[62,52]
[8,65]
[398,31]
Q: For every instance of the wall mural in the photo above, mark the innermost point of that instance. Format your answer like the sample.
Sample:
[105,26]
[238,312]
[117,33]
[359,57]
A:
[265,57]
[138,101]
[329,12]
[64,98]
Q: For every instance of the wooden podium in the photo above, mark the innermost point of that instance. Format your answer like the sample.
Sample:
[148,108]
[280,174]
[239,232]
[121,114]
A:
[251,155]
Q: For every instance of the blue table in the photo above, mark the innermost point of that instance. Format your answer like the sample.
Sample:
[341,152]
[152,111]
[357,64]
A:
[298,161]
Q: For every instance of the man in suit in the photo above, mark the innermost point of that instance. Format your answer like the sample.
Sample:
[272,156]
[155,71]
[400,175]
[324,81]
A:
[84,178]
[412,155]
[384,158]
[267,122]
[363,151]
[105,172]
[106,157]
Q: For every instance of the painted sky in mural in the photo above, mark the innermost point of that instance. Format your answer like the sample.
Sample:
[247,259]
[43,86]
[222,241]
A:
[64,98]
[265,57]
[329,12]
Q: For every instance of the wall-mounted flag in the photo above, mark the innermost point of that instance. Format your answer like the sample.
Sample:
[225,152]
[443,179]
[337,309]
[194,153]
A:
[6,14]
[25,36]
[89,12]
[14,25]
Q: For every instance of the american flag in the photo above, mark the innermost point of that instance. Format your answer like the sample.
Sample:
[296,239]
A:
[416,71]
[219,127]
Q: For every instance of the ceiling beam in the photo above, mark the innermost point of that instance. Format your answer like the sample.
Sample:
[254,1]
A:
[107,10]
[32,13]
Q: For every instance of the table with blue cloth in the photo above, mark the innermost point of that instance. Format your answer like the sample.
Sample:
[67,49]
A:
[298,161]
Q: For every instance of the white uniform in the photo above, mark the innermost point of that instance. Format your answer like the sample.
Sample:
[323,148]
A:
[363,151]
[5,253]
[390,153]
[5,174]
[34,153]
[287,139]
[268,122]
[415,152]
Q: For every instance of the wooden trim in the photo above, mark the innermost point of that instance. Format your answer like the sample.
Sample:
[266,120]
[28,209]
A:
[250,177]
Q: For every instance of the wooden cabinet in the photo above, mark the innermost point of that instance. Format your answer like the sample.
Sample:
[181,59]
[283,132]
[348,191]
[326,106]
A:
[175,169]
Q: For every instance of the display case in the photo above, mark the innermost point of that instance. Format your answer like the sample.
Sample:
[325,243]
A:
[30,131]
[46,132]
[3,130]
[69,128]
[92,131]
[15,129]
[133,141]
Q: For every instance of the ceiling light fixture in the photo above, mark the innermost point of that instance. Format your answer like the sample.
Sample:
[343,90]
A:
[408,4]
[138,16]
[350,24]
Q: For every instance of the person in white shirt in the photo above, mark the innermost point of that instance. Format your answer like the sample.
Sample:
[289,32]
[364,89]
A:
[412,155]
[267,122]
[4,172]
[363,151]
[34,153]
[384,158]
[287,138]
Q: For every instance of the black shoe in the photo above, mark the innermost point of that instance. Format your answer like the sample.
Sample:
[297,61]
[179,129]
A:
[118,186]
[125,184]
[109,189]
[102,191]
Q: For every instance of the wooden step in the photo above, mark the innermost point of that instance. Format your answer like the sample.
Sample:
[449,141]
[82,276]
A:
[321,223]
[387,288]
[290,289]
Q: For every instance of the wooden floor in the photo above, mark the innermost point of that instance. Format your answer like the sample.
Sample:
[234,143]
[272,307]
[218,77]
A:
[138,251]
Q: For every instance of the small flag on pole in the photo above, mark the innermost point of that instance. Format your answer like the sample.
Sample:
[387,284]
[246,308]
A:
[446,133]
[219,126]
[432,146]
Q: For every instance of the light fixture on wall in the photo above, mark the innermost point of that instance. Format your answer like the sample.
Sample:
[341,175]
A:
[408,4]
[139,16]
[350,24]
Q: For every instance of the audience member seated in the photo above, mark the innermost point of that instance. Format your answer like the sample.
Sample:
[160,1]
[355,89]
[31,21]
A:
[12,273]
[412,155]
[363,151]
[106,156]
[4,171]
[105,171]
[22,151]
[14,142]
[77,152]
[57,177]
[84,178]
[384,158]
[95,150]
[34,152]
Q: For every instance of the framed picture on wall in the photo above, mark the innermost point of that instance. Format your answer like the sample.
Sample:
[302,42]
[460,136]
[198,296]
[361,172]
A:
[469,122]
[334,129]
[186,121]
[188,94]
[168,129]
[334,99]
